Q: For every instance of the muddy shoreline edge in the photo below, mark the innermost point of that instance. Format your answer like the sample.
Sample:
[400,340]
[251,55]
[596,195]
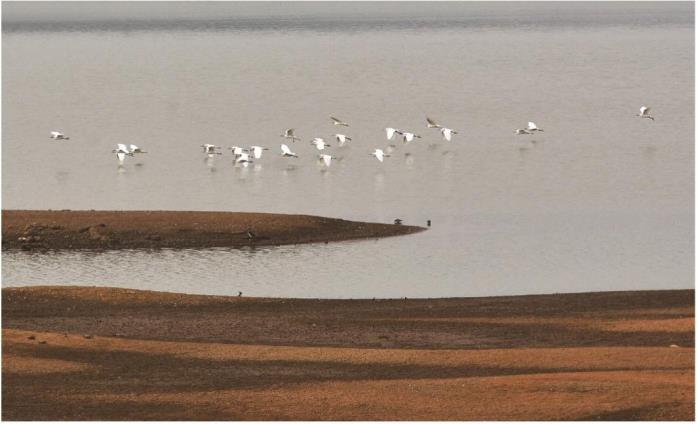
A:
[38,230]
[97,353]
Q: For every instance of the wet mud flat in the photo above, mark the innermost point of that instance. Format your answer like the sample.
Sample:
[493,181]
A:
[40,230]
[78,353]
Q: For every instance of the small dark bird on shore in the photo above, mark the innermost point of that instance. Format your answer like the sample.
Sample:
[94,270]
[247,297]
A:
[397,221]
[239,294]
[250,234]
[31,337]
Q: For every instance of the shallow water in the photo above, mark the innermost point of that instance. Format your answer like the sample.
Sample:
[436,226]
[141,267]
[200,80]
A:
[602,200]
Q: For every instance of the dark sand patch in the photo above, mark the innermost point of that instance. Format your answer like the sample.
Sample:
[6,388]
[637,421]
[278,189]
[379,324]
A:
[156,355]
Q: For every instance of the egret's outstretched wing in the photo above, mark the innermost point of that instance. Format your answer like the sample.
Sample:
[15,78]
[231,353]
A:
[390,133]
[431,123]
[532,126]
[122,147]
[121,156]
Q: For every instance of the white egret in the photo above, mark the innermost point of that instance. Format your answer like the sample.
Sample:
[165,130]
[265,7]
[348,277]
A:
[341,138]
[391,132]
[121,152]
[285,151]
[257,151]
[338,122]
[431,123]
[57,135]
[644,112]
[319,143]
[135,149]
[523,131]
[379,154]
[448,133]
[327,159]
[290,134]
[210,149]
[236,150]
[408,137]
[532,127]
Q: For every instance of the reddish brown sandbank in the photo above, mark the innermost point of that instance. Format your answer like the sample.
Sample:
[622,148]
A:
[30,230]
[112,354]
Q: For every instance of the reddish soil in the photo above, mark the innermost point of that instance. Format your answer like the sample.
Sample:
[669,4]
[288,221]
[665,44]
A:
[79,353]
[32,230]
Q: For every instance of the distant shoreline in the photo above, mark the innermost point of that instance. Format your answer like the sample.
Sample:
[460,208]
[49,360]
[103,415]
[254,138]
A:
[108,230]
[97,353]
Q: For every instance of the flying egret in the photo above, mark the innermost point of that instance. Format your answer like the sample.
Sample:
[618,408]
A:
[135,149]
[290,134]
[391,132]
[431,123]
[210,149]
[338,122]
[408,137]
[121,152]
[237,151]
[257,151]
[448,133]
[379,154]
[285,151]
[532,127]
[341,138]
[327,159]
[319,143]
[523,131]
[57,135]
[644,112]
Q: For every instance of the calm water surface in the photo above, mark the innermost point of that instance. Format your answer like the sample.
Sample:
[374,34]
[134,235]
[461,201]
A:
[602,200]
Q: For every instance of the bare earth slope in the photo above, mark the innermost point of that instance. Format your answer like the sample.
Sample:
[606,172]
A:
[31,230]
[99,353]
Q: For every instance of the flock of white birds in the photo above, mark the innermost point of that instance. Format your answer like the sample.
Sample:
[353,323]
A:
[244,156]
